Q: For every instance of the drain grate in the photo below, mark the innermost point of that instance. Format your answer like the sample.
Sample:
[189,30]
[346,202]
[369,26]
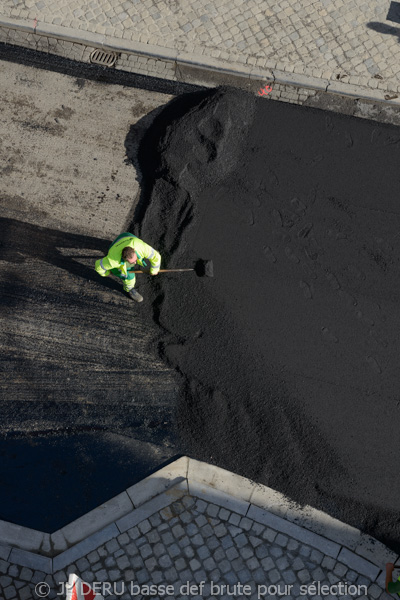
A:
[106,59]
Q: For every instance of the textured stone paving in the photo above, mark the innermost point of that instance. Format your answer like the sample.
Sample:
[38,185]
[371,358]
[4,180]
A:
[193,541]
[333,39]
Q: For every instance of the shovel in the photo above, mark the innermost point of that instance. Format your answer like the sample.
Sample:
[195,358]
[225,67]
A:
[203,268]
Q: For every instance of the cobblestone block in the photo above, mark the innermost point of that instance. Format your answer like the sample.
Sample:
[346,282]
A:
[186,517]
[25,593]
[178,531]
[267,563]
[180,564]
[174,551]
[87,576]
[93,557]
[110,562]
[246,552]
[328,563]
[185,576]
[318,574]
[255,541]
[171,574]
[252,563]
[114,574]
[132,549]
[142,576]
[274,576]
[224,514]
[256,529]
[234,531]
[26,574]
[282,563]
[200,576]
[199,505]
[304,576]
[13,571]
[197,540]
[5,581]
[212,510]
[123,562]
[10,593]
[145,551]
[305,551]
[155,520]
[269,535]
[164,561]
[134,532]
[246,523]
[201,521]
[235,519]
[240,540]
[316,557]
[276,552]
[289,577]
[144,526]
[82,564]
[194,564]
[101,575]
[340,569]
[203,552]
[212,542]
[123,539]
[332,578]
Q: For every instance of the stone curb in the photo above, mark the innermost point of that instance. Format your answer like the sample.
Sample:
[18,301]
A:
[211,71]
[51,552]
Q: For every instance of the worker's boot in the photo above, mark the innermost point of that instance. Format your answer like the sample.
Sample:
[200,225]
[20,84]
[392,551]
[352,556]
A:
[135,296]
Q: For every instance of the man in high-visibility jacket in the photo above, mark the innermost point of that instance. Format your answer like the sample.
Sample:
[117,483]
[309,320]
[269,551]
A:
[124,253]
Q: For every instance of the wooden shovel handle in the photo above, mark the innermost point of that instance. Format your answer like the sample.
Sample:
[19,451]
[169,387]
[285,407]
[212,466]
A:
[167,270]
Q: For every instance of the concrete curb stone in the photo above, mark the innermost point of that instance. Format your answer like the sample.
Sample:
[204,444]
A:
[152,506]
[85,546]
[190,68]
[221,498]
[31,560]
[211,484]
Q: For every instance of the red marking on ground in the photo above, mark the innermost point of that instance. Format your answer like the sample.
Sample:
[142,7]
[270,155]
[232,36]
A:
[265,91]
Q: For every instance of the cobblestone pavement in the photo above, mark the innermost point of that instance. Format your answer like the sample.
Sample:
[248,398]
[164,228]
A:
[351,41]
[194,541]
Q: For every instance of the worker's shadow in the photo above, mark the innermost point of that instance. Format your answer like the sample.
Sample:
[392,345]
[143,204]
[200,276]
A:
[20,241]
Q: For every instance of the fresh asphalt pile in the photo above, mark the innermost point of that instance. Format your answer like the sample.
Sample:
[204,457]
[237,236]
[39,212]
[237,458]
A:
[288,357]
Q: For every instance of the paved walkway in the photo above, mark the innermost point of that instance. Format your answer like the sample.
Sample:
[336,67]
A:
[205,533]
[347,46]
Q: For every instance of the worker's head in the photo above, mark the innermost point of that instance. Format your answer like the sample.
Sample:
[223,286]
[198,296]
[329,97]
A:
[129,255]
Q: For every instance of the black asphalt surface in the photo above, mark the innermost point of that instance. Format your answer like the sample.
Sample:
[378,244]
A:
[289,356]
[286,360]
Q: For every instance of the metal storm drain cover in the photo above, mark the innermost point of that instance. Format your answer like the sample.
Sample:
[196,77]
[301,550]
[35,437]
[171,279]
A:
[106,59]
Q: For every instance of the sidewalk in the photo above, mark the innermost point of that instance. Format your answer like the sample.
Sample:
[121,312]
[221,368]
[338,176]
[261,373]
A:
[204,532]
[348,48]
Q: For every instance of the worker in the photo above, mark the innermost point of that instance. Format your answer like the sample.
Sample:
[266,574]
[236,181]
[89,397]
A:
[392,587]
[124,253]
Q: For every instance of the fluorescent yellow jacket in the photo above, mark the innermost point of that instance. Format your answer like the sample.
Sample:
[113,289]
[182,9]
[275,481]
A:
[113,260]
